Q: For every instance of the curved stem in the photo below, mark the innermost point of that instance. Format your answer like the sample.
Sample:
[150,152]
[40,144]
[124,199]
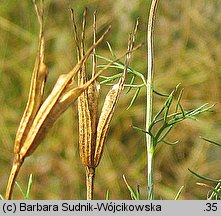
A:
[149,89]
[12,177]
[90,174]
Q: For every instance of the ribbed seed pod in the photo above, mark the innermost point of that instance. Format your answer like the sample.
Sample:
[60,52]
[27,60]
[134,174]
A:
[104,120]
[93,98]
[36,89]
[92,129]
[87,101]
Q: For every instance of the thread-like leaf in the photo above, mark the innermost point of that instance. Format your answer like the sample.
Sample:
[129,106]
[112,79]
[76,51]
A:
[212,142]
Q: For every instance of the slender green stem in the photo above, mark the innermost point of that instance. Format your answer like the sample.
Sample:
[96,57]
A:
[149,106]
[150,173]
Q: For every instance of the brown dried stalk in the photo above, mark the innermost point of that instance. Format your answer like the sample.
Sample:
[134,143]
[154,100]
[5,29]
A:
[93,130]
[39,115]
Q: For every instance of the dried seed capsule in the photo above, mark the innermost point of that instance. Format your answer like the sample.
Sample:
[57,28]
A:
[105,119]
[38,80]
[87,102]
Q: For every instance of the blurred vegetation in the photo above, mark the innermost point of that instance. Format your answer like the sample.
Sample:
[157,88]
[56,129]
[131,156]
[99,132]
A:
[187,51]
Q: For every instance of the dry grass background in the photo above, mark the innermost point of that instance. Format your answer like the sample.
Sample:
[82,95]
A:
[188,50]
